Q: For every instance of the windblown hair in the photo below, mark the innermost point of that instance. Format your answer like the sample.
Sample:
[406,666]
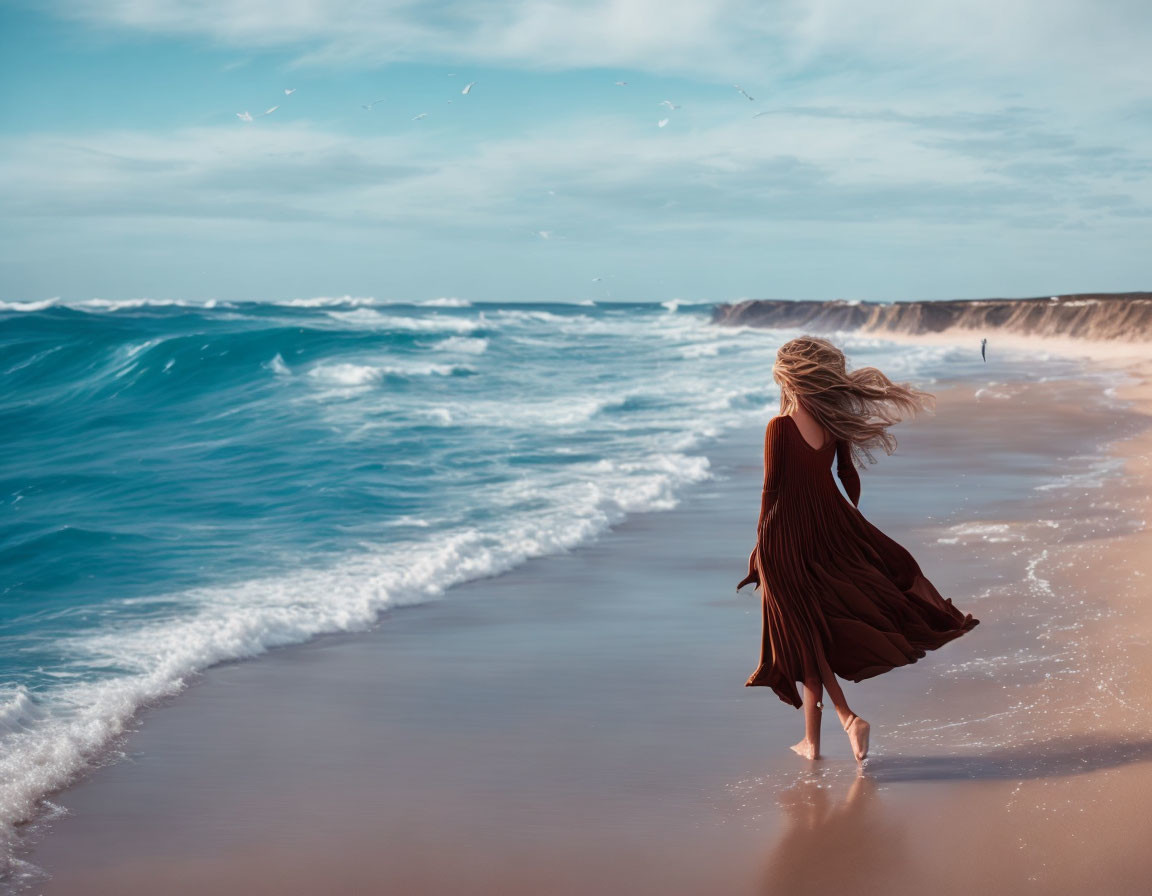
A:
[856,406]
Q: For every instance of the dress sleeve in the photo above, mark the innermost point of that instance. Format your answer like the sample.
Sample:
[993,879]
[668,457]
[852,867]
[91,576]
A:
[773,467]
[846,470]
[773,471]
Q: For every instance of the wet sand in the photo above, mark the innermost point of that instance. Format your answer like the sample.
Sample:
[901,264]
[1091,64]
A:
[580,724]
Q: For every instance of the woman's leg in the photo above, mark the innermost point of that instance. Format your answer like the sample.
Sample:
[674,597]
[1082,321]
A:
[858,735]
[809,748]
[835,694]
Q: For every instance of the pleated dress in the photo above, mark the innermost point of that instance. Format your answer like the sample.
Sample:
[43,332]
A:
[831,581]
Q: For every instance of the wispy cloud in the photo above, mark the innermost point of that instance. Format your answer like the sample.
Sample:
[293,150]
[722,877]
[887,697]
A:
[585,177]
[1058,40]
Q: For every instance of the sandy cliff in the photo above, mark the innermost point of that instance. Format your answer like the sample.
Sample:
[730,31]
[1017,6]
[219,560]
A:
[1106,316]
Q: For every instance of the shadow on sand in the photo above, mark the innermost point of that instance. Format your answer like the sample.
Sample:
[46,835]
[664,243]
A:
[1051,759]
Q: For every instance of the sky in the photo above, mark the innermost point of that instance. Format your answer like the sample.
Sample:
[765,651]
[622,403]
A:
[878,151]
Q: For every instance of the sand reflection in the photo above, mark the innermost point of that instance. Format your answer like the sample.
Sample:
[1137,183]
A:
[836,836]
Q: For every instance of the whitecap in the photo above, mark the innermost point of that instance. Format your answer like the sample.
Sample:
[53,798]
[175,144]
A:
[348,374]
[322,301]
[433,323]
[468,345]
[277,366]
[700,350]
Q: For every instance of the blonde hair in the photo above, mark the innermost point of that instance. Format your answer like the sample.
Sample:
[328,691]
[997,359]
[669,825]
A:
[856,406]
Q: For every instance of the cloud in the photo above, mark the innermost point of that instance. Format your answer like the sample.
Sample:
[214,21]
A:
[1054,40]
[634,33]
[590,179]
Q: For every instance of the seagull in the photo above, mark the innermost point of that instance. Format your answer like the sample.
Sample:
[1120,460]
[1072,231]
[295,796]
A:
[288,91]
[421,115]
[545,234]
[983,346]
[671,105]
[758,114]
[370,105]
[269,111]
[244,116]
[742,91]
[621,83]
[662,122]
[467,87]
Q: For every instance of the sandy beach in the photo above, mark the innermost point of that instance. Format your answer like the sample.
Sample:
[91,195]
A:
[580,724]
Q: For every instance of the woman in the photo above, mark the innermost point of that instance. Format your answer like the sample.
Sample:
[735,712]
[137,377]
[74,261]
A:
[839,597]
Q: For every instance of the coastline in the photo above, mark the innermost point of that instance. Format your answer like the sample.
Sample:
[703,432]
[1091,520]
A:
[550,761]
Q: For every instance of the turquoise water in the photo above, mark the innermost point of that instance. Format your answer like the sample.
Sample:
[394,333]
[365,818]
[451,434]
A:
[188,484]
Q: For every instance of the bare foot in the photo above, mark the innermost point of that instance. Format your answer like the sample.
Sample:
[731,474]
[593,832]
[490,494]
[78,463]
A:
[858,731]
[806,749]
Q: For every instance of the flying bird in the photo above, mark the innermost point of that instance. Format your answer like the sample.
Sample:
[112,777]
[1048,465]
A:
[288,91]
[621,83]
[545,234]
[742,91]
[467,88]
[983,346]
[369,106]
[758,114]
[662,122]
[421,115]
[244,116]
[671,105]
[269,111]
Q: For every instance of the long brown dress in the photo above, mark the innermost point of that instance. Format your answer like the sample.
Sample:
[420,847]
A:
[831,581]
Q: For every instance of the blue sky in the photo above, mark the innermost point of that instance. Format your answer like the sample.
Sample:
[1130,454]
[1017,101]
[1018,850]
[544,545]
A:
[938,150]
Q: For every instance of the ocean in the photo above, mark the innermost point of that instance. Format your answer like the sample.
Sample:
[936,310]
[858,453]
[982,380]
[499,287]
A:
[187,484]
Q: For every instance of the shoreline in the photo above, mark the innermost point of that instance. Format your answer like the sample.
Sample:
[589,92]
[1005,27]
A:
[133,795]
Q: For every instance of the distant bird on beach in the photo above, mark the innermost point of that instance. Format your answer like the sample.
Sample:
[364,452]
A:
[288,91]
[983,346]
[244,116]
[467,88]
[743,92]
